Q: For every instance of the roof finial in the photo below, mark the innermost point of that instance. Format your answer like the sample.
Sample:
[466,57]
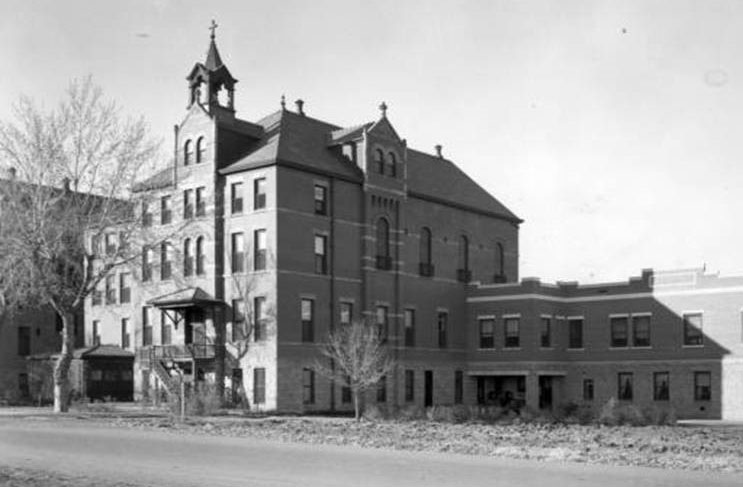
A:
[283,102]
[383,109]
[438,148]
[212,28]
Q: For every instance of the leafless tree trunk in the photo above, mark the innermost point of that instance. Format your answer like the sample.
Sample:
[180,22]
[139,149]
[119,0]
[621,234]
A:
[70,185]
[360,356]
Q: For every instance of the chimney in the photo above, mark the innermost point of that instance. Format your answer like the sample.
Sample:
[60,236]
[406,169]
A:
[438,151]
[66,184]
[300,106]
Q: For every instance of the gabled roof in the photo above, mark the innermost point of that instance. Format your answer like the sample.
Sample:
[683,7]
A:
[350,133]
[159,180]
[184,298]
[437,178]
[296,140]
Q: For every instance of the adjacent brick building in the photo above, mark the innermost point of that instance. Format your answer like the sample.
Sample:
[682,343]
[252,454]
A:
[323,224]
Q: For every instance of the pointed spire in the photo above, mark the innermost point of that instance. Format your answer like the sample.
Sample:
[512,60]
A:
[213,60]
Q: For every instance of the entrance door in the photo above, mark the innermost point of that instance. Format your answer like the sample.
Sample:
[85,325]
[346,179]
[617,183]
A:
[545,392]
[194,330]
[428,388]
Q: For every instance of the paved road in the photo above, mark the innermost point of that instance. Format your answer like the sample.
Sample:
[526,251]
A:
[167,459]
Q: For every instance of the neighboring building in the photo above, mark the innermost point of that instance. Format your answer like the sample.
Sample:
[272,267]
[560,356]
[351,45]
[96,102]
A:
[295,226]
[665,339]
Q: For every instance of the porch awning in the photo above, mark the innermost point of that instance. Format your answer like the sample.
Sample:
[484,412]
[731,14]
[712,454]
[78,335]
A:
[185,298]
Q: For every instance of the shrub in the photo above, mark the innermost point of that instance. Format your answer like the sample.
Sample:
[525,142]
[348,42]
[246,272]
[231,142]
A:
[203,400]
[373,412]
[411,412]
[658,416]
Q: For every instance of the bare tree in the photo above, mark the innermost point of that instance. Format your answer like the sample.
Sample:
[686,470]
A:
[360,358]
[69,217]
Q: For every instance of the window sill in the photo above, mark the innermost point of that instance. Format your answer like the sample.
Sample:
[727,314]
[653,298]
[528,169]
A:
[618,348]
[511,348]
[692,346]
[545,349]
[582,349]
[643,348]
[492,349]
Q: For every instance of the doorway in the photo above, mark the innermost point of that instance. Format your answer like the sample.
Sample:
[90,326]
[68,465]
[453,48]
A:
[428,388]
[545,392]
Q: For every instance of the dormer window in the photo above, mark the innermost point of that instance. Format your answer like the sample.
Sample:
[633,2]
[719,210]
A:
[187,152]
[200,150]
[391,164]
[379,160]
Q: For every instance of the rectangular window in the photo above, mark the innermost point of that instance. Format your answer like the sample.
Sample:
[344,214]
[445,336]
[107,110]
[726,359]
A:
[259,318]
[111,289]
[146,326]
[125,290]
[382,390]
[409,385]
[166,329]
[308,386]
[619,331]
[259,250]
[321,200]
[166,210]
[238,252]
[702,386]
[442,320]
[575,333]
[236,202]
[259,193]
[97,297]
[188,204]
[238,320]
[511,327]
[125,333]
[166,261]
[321,254]
[487,335]
[381,322]
[458,387]
[146,214]
[641,331]
[624,386]
[200,201]
[409,322]
[346,396]
[346,314]
[661,386]
[146,265]
[308,320]
[95,337]
[545,335]
[259,385]
[588,389]
[24,341]
[693,329]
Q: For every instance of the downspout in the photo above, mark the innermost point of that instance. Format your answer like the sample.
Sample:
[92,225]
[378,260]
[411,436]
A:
[331,250]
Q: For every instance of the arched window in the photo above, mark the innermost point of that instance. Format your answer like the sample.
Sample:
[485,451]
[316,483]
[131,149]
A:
[500,271]
[187,258]
[425,267]
[391,164]
[200,150]
[379,160]
[384,260]
[200,256]
[187,152]
[463,273]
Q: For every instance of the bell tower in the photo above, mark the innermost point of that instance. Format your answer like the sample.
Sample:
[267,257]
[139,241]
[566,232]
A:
[210,83]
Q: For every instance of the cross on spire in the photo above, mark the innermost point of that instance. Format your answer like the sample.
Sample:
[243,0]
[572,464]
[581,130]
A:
[383,109]
[213,28]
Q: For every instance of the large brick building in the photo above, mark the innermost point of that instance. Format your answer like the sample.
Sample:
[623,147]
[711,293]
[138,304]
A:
[324,224]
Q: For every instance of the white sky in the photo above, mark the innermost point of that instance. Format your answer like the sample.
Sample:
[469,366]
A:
[612,128]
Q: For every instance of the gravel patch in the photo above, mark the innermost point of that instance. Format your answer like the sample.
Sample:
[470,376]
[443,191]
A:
[25,477]
[675,447]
